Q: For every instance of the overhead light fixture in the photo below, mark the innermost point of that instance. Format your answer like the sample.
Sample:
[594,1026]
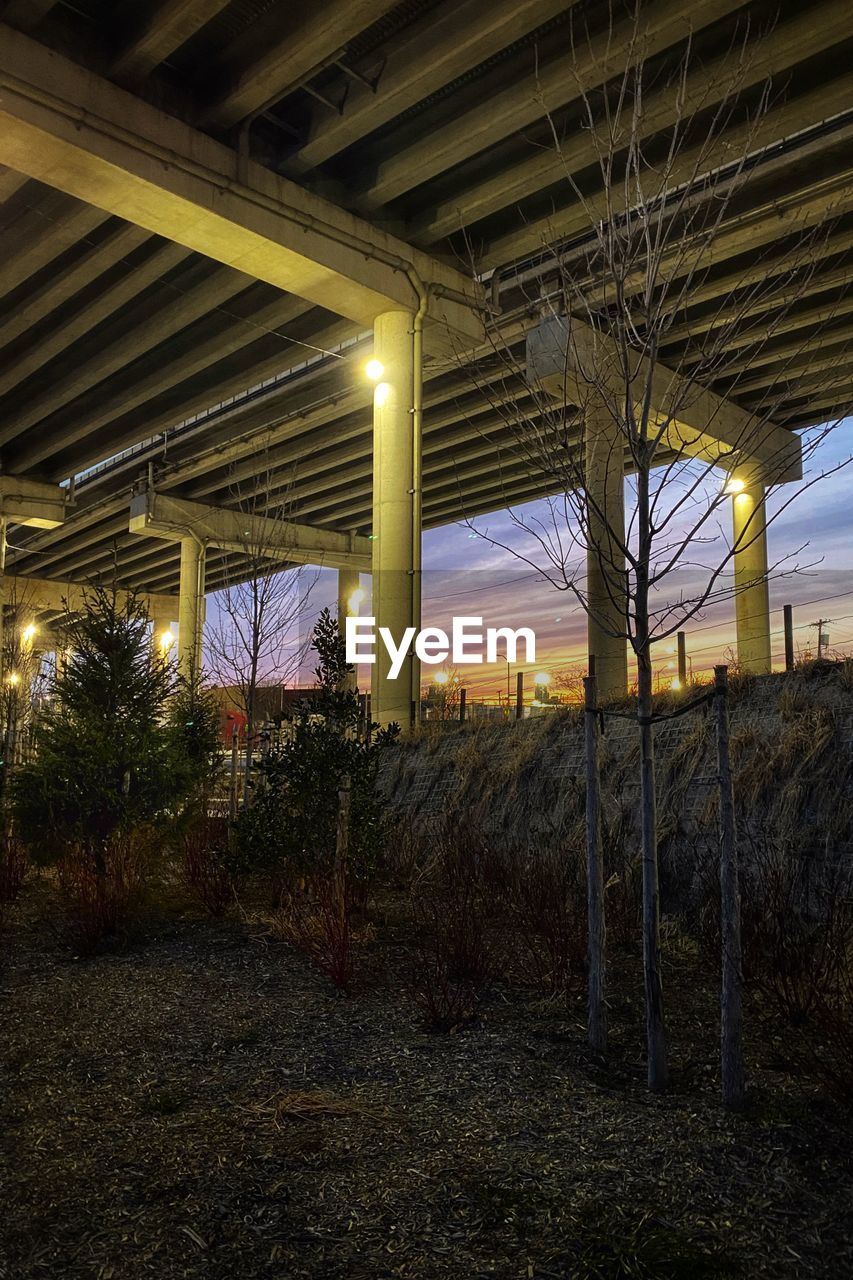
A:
[734,484]
[355,599]
[374,370]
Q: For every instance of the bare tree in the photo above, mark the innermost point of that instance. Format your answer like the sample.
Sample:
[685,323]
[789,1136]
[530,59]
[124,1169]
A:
[254,637]
[442,694]
[652,324]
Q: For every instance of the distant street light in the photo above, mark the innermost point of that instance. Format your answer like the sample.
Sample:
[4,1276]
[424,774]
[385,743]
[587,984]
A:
[541,682]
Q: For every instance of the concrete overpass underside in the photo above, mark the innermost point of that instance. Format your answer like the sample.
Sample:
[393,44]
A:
[207,206]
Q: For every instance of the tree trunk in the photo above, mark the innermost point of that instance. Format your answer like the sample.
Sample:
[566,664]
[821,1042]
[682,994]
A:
[596,1006]
[731,1031]
[655,1026]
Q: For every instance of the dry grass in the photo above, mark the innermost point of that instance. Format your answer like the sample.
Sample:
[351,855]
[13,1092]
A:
[304,1104]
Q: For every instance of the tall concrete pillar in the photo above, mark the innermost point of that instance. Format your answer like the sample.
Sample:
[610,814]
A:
[190,607]
[348,607]
[752,597]
[396,512]
[604,470]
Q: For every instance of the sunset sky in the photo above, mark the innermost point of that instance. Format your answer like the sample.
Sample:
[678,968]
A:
[465,573]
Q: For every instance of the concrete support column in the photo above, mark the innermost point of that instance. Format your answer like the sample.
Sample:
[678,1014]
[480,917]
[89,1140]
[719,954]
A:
[752,598]
[396,511]
[190,607]
[348,607]
[604,470]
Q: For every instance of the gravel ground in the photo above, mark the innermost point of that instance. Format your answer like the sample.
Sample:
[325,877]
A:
[201,1104]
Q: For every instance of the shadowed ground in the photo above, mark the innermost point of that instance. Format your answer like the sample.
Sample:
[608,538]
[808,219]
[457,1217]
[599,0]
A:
[202,1105]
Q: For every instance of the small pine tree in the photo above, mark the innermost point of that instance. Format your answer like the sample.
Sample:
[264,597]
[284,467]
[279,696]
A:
[292,825]
[104,759]
[194,736]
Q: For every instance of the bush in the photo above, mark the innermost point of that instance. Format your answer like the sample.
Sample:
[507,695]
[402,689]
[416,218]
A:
[831,1050]
[455,892]
[317,919]
[546,899]
[290,829]
[99,899]
[797,928]
[14,866]
[204,865]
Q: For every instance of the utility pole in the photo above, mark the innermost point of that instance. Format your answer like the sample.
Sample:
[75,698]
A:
[822,637]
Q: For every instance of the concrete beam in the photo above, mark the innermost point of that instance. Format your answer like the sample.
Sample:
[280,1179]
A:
[178,363]
[705,85]
[199,297]
[25,14]
[92,262]
[78,325]
[166,26]
[160,516]
[283,49]
[499,114]
[34,242]
[10,182]
[31,502]
[54,596]
[74,131]
[424,57]
[573,366]
[789,213]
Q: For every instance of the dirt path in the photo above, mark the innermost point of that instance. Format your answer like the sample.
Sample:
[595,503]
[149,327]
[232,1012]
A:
[204,1106]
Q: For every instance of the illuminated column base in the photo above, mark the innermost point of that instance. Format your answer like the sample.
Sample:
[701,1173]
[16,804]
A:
[162,638]
[752,597]
[605,562]
[190,608]
[396,512]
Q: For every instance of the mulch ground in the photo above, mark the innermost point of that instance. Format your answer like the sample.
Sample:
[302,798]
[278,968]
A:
[202,1104]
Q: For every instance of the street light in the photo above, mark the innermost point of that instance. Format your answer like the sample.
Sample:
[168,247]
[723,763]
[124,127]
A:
[541,681]
[14,678]
[28,633]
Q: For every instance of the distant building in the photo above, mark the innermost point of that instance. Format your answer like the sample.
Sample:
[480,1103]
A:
[273,703]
